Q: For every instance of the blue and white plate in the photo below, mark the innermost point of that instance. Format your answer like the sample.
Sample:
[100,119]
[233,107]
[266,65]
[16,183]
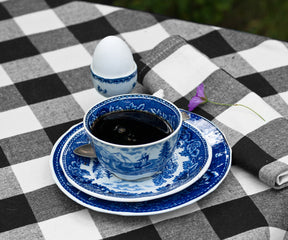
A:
[189,162]
[217,171]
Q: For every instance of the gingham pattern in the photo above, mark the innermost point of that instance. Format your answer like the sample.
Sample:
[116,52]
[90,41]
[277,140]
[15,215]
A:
[178,67]
[45,87]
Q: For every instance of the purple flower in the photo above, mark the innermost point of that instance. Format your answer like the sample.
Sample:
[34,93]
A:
[198,99]
[201,98]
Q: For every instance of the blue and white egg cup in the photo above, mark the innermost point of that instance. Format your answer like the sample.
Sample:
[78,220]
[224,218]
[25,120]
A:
[133,162]
[109,87]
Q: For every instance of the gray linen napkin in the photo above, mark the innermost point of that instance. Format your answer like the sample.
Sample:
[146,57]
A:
[174,69]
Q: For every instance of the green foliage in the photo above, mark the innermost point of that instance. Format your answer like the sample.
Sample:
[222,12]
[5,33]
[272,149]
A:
[265,17]
[199,10]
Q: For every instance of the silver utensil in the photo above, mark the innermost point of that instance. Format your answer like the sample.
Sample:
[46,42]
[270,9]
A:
[185,116]
[87,150]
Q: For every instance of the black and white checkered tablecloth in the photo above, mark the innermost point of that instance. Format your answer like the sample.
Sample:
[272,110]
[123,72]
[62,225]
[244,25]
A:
[45,88]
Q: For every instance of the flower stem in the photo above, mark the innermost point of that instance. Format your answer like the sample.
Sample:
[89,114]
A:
[236,104]
[250,110]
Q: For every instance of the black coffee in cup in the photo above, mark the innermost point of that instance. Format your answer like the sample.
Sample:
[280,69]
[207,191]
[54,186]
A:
[130,127]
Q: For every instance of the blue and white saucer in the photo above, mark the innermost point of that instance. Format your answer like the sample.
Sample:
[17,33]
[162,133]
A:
[217,171]
[189,162]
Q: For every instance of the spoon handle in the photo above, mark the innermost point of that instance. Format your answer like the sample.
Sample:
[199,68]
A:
[85,150]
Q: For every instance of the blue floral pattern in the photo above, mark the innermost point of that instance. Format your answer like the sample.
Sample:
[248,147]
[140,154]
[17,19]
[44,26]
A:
[114,80]
[220,165]
[181,170]
[114,86]
[103,91]
[143,160]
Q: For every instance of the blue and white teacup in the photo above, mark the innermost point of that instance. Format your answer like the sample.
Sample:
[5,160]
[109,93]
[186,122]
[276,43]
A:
[133,162]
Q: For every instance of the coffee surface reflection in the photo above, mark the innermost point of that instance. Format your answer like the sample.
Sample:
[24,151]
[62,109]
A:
[130,127]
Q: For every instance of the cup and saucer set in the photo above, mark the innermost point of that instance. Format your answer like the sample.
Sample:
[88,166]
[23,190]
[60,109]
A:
[143,179]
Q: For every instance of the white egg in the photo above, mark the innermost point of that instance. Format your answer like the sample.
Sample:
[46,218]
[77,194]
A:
[112,58]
